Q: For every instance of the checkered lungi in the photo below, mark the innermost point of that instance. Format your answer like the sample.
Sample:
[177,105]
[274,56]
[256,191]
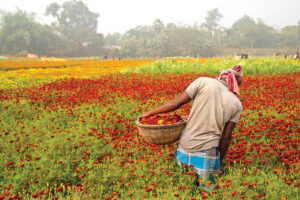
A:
[206,164]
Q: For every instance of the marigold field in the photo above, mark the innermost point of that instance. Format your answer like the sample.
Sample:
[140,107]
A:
[67,130]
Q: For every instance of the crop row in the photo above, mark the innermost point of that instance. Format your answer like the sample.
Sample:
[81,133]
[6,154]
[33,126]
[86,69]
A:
[77,138]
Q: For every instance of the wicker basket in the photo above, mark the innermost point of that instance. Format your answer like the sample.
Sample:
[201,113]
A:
[161,134]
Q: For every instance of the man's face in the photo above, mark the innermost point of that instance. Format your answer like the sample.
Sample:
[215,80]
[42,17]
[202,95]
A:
[238,80]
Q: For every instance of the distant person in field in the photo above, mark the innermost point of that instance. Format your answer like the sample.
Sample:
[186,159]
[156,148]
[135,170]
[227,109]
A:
[297,56]
[216,110]
[104,57]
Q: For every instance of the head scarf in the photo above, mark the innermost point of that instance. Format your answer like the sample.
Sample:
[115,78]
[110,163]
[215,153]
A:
[233,78]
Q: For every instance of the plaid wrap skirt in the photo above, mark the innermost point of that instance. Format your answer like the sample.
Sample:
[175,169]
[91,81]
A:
[206,163]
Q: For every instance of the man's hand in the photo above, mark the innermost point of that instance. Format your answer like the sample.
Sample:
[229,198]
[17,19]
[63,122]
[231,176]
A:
[146,114]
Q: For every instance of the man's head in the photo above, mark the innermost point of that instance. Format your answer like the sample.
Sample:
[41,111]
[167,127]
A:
[232,77]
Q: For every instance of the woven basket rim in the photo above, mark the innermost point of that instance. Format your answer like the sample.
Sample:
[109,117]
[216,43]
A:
[180,123]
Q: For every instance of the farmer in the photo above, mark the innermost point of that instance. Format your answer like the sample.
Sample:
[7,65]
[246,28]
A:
[216,109]
[297,56]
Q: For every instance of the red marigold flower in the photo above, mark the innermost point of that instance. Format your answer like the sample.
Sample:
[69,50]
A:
[59,189]
[9,163]
[114,193]
[217,186]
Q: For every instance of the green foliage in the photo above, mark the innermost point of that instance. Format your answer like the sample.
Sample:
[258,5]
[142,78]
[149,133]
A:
[290,36]
[20,35]
[250,66]
[245,32]
[159,40]
[212,20]
[74,34]
[78,25]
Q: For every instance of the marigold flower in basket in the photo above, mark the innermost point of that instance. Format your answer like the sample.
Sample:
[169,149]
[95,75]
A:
[161,129]
[161,119]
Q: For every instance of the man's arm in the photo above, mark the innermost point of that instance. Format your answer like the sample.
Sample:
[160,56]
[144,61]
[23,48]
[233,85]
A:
[225,139]
[174,104]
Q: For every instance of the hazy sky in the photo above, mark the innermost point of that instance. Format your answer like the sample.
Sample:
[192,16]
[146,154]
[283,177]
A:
[121,15]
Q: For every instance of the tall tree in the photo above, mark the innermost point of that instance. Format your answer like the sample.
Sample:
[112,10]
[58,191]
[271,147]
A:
[245,32]
[21,34]
[113,39]
[159,40]
[212,25]
[75,22]
[290,36]
[212,20]
[236,36]
[158,27]
[267,36]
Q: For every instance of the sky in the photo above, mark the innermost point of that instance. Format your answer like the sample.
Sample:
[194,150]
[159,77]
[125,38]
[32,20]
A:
[122,15]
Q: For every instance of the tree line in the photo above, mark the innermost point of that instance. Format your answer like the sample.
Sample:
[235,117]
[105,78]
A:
[74,34]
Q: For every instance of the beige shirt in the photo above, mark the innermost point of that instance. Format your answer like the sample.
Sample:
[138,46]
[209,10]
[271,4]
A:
[214,105]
